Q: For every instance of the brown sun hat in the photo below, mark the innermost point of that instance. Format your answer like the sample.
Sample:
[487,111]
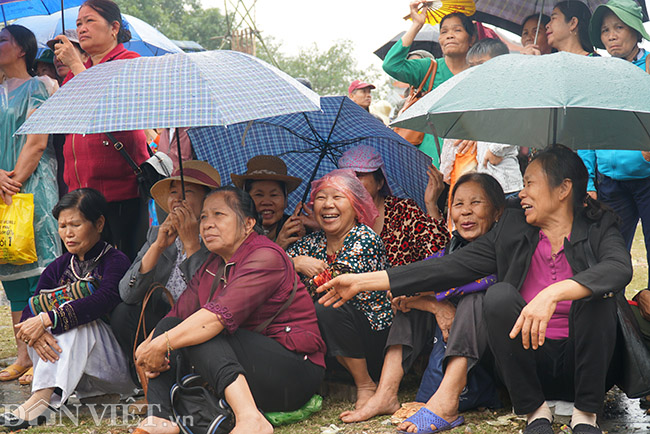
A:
[194,171]
[266,168]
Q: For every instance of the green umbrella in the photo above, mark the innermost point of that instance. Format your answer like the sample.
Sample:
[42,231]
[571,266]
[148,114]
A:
[578,101]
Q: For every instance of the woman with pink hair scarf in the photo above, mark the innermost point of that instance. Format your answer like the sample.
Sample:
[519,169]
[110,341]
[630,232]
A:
[355,335]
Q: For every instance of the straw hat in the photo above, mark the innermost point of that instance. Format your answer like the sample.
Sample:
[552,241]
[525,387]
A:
[266,168]
[194,171]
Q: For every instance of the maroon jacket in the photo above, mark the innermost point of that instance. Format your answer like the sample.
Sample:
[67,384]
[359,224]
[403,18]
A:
[90,162]
[258,280]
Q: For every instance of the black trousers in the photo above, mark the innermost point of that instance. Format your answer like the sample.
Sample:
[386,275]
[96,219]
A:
[279,379]
[124,322]
[415,330]
[347,333]
[127,222]
[572,369]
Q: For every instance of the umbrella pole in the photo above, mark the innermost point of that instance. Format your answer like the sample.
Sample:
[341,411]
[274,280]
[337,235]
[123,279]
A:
[180,161]
[555,115]
[322,155]
[62,19]
[4,18]
[539,22]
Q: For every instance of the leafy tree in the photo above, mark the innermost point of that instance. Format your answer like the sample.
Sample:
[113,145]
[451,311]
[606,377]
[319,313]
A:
[180,19]
[330,71]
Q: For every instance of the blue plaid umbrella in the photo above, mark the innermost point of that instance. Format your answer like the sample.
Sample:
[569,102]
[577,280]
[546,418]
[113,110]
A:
[145,39]
[12,9]
[176,90]
[311,144]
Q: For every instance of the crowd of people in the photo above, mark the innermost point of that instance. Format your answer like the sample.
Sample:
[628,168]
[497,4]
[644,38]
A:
[514,265]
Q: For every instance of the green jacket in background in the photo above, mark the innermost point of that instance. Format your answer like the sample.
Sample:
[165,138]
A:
[412,72]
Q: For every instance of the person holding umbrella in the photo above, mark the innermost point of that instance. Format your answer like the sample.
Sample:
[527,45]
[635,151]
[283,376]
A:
[533,35]
[551,318]
[568,29]
[27,165]
[62,69]
[457,35]
[91,160]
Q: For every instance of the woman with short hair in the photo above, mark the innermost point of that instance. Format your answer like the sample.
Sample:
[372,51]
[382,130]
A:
[245,323]
[172,254]
[457,34]
[355,335]
[477,203]
[70,343]
[91,159]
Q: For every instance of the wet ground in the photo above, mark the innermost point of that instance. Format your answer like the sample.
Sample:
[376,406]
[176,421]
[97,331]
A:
[623,415]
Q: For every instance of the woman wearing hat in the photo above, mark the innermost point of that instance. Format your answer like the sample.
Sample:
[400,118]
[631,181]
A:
[267,182]
[170,257]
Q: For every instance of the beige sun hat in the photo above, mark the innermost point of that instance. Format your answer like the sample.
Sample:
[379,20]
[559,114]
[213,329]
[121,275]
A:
[266,168]
[194,171]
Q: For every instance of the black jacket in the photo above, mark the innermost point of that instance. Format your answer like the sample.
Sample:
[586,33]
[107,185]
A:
[507,250]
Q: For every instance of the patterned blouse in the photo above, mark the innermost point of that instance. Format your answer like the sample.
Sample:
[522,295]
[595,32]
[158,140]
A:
[410,235]
[362,252]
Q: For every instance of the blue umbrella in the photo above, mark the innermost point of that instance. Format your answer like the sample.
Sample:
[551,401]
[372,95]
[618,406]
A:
[12,9]
[145,39]
[311,144]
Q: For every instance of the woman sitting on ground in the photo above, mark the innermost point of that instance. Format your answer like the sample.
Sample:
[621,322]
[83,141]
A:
[559,260]
[170,257]
[477,203]
[408,234]
[72,347]
[267,182]
[236,333]
[355,335]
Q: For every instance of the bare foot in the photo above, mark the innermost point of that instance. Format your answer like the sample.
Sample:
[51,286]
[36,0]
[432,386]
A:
[440,406]
[158,425]
[378,404]
[252,423]
[364,393]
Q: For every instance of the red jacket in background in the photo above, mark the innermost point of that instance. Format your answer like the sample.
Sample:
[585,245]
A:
[91,161]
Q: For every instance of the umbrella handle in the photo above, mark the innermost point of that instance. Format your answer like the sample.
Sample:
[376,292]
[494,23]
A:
[539,22]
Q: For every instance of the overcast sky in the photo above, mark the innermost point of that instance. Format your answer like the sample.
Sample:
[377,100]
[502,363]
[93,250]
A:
[299,23]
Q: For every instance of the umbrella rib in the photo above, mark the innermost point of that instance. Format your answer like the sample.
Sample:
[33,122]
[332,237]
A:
[301,137]
[336,119]
[313,130]
[642,125]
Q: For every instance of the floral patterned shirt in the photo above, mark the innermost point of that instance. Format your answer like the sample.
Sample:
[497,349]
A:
[362,251]
[410,235]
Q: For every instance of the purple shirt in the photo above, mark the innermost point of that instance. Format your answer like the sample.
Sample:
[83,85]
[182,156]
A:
[258,281]
[109,272]
[546,269]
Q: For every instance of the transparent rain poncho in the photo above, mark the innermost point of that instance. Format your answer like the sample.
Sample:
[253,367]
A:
[16,103]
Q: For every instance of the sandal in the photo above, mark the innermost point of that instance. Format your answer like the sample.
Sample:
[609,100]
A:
[424,418]
[14,370]
[539,426]
[29,372]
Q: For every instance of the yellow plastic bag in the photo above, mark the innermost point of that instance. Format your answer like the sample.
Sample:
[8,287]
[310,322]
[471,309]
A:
[17,245]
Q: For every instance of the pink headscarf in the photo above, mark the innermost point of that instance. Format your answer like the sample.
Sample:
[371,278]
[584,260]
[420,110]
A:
[346,181]
[365,159]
